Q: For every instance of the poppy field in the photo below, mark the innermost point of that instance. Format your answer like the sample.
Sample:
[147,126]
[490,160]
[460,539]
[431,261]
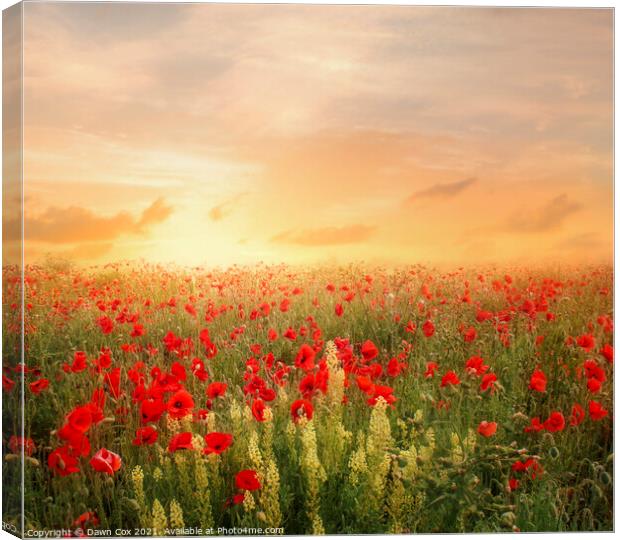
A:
[175,401]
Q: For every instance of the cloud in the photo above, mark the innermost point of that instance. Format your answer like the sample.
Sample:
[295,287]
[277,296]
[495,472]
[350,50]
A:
[545,218]
[225,208]
[76,224]
[326,236]
[444,190]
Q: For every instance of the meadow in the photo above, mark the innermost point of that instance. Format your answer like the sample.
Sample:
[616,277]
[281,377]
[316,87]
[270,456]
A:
[162,400]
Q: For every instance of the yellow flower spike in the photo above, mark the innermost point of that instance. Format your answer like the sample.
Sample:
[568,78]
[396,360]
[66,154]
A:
[159,521]
[176,515]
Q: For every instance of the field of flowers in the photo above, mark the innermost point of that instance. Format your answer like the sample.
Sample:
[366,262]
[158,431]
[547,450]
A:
[163,400]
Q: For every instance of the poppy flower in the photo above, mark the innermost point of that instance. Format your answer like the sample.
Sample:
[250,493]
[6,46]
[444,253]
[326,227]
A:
[180,404]
[305,358]
[105,461]
[62,462]
[182,441]
[488,382]
[369,350]
[428,328]
[555,422]
[247,480]
[38,386]
[577,415]
[17,444]
[145,435]
[487,429]
[151,410]
[7,384]
[608,353]
[535,426]
[449,379]
[258,409]
[470,334]
[339,310]
[586,342]
[77,442]
[302,407]
[80,419]
[217,442]
[596,410]
[106,324]
[431,367]
[216,389]
[538,381]
[476,366]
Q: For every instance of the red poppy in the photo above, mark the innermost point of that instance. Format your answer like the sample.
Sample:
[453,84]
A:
[258,409]
[577,415]
[470,334]
[247,480]
[17,444]
[476,366]
[216,389]
[302,407]
[555,422]
[538,381]
[431,367]
[62,462]
[80,419]
[105,461]
[487,429]
[7,384]
[488,382]
[596,410]
[182,441]
[106,324]
[180,404]
[428,328]
[535,426]
[586,342]
[305,358]
[38,386]
[145,435]
[151,410]
[449,379]
[369,350]
[217,442]
[608,353]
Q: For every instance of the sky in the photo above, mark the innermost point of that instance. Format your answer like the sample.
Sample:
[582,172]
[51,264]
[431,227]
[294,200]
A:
[222,134]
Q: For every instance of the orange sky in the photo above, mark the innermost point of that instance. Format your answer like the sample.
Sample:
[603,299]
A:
[220,134]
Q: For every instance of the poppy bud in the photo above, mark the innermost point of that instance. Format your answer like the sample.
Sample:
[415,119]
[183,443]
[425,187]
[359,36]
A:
[605,478]
[508,519]
[34,462]
[554,452]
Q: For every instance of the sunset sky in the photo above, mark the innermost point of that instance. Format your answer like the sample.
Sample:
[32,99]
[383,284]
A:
[221,134]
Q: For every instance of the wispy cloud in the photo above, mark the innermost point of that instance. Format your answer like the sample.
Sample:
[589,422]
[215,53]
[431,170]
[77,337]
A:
[443,190]
[225,208]
[326,236]
[545,218]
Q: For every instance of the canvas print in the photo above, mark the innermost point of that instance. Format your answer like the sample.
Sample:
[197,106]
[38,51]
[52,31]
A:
[306,269]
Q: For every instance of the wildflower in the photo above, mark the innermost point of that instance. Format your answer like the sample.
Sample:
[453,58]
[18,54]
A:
[555,422]
[258,409]
[145,435]
[216,389]
[577,415]
[487,429]
[62,462]
[596,410]
[449,379]
[369,350]
[305,358]
[535,426]
[488,382]
[428,328]
[182,441]
[106,462]
[301,407]
[586,342]
[538,381]
[247,480]
[217,442]
[180,404]
[38,386]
